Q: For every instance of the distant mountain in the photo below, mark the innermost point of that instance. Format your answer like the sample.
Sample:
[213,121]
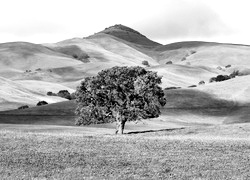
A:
[130,35]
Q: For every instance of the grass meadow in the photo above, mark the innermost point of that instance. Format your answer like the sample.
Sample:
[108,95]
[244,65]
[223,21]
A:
[213,152]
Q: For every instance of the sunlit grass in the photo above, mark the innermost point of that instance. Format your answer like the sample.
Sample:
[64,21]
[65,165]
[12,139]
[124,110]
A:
[173,154]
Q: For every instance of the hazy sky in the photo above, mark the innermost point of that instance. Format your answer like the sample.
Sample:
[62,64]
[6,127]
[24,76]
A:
[165,21]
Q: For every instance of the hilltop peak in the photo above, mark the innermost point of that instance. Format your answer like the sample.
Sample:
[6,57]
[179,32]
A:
[120,27]
[130,35]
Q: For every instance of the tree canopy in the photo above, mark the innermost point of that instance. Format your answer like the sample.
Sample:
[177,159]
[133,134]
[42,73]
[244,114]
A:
[119,94]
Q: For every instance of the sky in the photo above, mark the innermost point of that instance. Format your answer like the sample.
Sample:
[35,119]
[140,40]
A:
[164,21]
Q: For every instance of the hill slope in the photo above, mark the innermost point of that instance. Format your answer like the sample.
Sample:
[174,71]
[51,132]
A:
[27,56]
[205,54]
[62,65]
[15,94]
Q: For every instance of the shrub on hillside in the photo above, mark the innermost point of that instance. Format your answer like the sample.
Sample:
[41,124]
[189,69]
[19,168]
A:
[23,107]
[201,82]
[228,66]
[51,93]
[64,94]
[192,86]
[82,57]
[145,63]
[41,103]
[219,78]
[213,79]
[222,78]
[169,62]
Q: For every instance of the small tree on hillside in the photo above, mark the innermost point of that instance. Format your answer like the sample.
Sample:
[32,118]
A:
[64,94]
[145,63]
[41,103]
[119,94]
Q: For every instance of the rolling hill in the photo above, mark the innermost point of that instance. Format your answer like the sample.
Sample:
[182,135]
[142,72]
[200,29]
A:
[129,35]
[15,94]
[28,71]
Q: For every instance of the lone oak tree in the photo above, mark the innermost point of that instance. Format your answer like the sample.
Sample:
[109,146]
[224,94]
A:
[119,94]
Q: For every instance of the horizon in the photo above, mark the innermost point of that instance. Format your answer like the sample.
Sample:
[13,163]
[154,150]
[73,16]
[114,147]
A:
[163,21]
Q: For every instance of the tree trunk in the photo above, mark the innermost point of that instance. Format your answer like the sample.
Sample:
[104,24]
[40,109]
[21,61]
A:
[120,127]
[120,123]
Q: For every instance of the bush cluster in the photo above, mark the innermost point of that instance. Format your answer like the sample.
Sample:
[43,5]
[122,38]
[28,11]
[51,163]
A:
[41,103]
[63,94]
[224,77]
[23,107]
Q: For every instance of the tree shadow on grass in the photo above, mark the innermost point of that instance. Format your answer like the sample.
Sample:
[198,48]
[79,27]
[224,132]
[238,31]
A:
[150,131]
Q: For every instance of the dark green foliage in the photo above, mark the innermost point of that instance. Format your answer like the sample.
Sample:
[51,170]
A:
[64,94]
[51,94]
[82,57]
[121,94]
[41,103]
[228,66]
[169,62]
[222,78]
[219,78]
[213,79]
[201,82]
[23,107]
[145,63]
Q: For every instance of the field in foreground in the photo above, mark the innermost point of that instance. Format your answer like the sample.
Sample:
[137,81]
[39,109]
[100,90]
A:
[57,152]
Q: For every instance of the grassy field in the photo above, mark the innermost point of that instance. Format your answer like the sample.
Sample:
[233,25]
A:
[57,152]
